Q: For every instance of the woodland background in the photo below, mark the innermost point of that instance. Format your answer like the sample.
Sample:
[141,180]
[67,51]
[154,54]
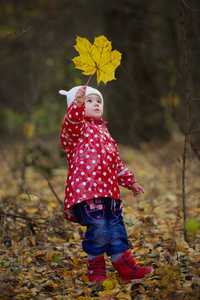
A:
[40,253]
[37,38]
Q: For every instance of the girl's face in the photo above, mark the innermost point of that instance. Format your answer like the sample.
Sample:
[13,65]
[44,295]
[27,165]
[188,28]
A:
[93,106]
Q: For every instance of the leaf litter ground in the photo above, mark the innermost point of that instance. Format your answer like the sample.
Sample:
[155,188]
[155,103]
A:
[41,255]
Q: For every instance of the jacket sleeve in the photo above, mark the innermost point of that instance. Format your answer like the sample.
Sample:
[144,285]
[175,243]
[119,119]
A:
[73,125]
[124,176]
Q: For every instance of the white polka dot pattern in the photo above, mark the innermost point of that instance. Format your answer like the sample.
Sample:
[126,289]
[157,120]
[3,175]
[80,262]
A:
[95,169]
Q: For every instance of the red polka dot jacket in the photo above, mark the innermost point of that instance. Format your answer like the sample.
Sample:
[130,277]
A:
[95,168]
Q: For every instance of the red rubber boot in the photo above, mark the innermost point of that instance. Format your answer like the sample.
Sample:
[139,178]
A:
[96,269]
[128,269]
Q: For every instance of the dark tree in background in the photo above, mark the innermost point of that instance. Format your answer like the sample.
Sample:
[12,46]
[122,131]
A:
[148,35]
[36,48]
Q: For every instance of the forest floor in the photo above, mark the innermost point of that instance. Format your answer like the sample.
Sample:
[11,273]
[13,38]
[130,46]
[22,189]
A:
[41,255]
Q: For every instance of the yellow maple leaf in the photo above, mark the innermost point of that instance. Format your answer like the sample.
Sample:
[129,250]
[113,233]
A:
[98,57]
[108,284]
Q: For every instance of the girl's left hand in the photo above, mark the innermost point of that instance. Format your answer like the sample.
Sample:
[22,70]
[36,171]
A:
[137,189]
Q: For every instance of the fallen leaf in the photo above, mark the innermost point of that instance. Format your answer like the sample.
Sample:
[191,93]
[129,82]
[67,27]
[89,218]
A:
[50,284]
[106,295]
[108,284]
[153,254]
[125,296]
[84,278]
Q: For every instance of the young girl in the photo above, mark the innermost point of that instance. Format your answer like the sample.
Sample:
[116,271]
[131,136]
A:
[92,195]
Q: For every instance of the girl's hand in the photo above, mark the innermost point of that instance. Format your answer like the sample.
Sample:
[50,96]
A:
[137,189]
[80,96]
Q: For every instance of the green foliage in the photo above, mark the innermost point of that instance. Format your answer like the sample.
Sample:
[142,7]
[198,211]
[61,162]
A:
[45,118]
[13,122]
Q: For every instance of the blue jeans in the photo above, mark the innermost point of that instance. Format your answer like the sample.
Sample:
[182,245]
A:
[106,232]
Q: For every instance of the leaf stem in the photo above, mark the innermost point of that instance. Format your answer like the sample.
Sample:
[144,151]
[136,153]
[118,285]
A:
[89,80]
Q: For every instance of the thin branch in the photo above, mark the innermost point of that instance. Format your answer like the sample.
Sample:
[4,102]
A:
[196,99]
[19,216]
[47,179]
[187,133]
[194,130]
[18,33]
[191,8]
[5,34]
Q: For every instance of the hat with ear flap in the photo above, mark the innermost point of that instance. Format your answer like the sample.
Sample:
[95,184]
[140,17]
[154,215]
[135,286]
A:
[71,93]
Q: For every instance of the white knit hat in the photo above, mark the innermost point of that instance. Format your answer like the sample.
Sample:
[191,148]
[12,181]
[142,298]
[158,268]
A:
[71,93]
